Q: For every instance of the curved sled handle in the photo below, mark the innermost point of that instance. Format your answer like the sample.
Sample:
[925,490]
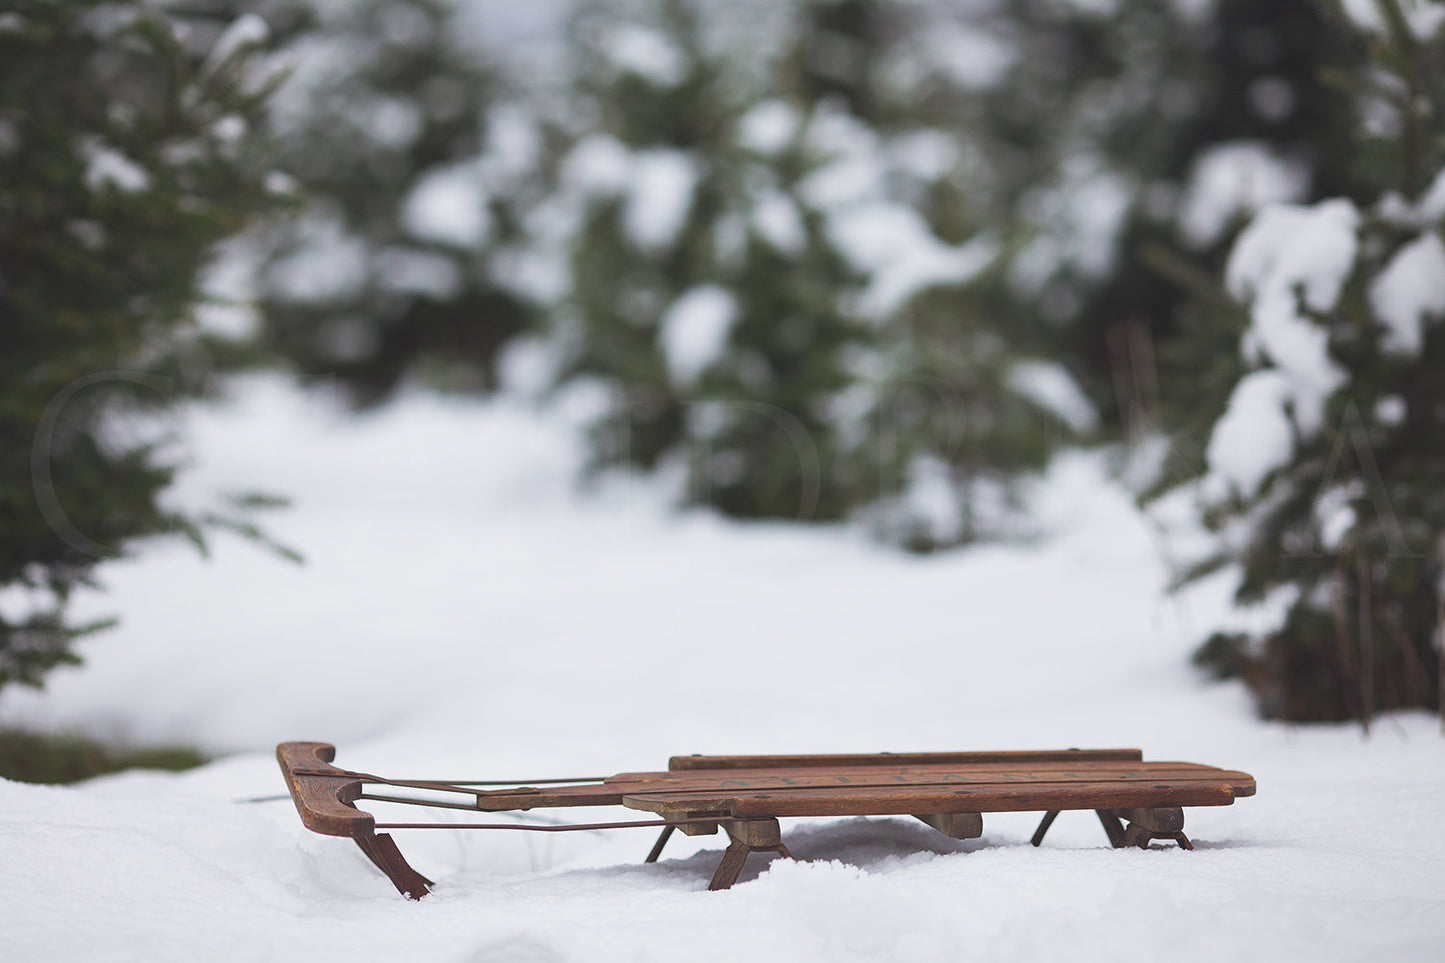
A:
[324,795]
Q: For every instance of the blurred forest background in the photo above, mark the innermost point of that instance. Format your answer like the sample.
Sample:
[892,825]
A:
[820,260]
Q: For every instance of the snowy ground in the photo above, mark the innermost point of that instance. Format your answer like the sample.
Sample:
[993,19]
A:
[464,612]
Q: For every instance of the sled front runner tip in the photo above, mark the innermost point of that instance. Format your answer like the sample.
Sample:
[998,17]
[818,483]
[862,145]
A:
[744,796]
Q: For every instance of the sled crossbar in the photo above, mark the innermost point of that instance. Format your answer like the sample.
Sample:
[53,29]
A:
[745,796]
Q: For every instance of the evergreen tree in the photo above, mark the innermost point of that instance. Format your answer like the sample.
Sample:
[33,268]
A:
[755,209]
[968,395]
[416,166]
[1321,466]
[125,155]
[701,289]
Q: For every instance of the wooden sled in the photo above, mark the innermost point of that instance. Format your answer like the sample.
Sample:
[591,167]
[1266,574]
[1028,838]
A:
[745,796]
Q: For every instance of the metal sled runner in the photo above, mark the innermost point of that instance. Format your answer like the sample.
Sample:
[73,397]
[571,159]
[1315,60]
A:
[745,796]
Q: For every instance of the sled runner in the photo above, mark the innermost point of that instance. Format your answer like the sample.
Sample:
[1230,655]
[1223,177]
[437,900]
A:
[745,796]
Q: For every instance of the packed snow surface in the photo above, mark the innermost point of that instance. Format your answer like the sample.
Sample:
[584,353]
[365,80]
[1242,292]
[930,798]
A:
[465,611]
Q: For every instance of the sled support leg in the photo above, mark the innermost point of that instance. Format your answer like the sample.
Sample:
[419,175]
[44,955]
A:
[381,850]
[1160,822]
[1044,825]
[652,857]
[1113,827]
[1144,826]
[748,836]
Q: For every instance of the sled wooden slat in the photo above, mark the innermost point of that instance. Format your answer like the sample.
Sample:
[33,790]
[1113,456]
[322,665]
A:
[903,759]
[640,783]
[916,800]
[1135,801]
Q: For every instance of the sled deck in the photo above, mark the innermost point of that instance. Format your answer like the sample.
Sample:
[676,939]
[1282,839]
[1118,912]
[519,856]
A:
[745,796]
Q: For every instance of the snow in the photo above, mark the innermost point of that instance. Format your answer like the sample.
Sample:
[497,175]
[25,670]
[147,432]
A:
[1233,180]
[776,218]
[768,127]
[968,57]
[389,121]
[1272,98]
[646,53]
[464,611]
[927,154]
[1293,259]
[282,184]
[694,331]
[1079,221]
[1193,10]
[889,242]
[1099,8]
[514,144]
[1050,385]
[853,171]
[246,32]
[90,234]
[1410,291]
[1335,514]
[1423,17]
[1391,410]
[1432,205]
[895,246]
[328,263]
[107,168]
[529,33]
[1254,436]
[417,272]
[314,67]
[662,184]
[229,129]
[449,206]
[228,284]
[598,165]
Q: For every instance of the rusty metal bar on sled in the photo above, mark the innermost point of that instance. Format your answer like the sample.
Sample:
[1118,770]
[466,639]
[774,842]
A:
[1136,801]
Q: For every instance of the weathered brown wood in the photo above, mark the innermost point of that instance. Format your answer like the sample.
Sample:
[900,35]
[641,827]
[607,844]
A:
[752,780]
[1160,819]
[913,800]
[755,833]
[382,851]
[732,864]
[748,836]
[658,846]
[745,795]
[324,802]
[698,829]
[900,758]
[1044,824]
[611,791]
[324,795]
[1113,828]
[633,782]
[1146,825]
[954,825]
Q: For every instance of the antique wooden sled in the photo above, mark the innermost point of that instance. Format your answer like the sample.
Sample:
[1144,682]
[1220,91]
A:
[745,796]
